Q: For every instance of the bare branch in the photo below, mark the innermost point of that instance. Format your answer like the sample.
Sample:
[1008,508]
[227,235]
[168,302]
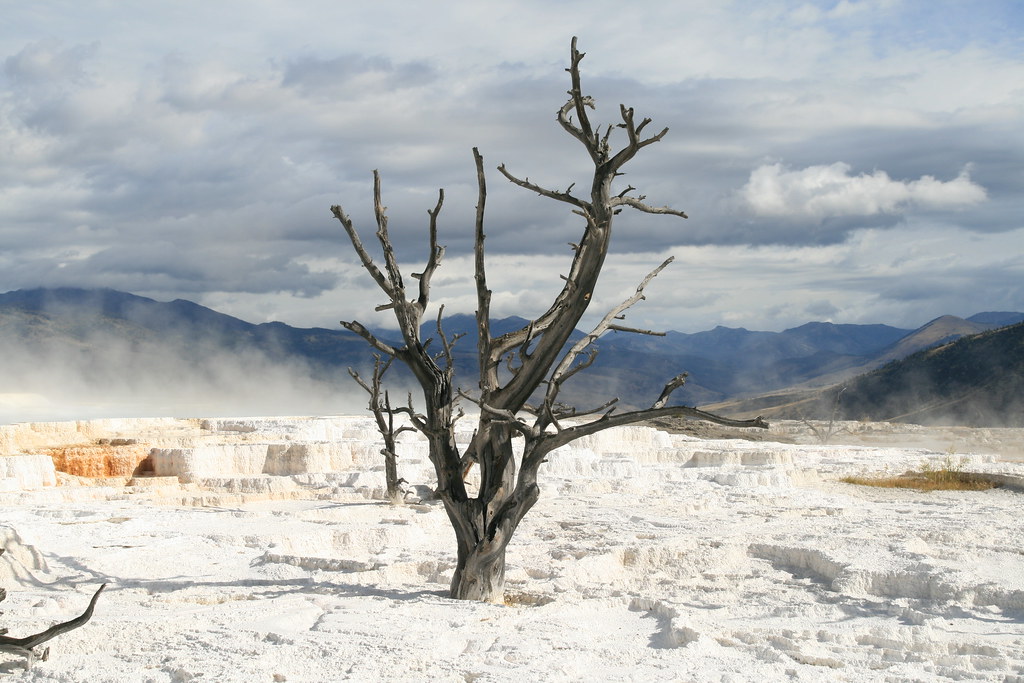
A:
[397,290]
[26,646]
[360,381]
[559,375]
[635,142]
[434,259]
[670,386]
[568,367]
[586,363]
[511,418]
[634,330]
[579,103]
[446,344]
[380,368]
[565,120]
[364,256]
[550,442]
[566,412]
[488,367]
[418,420]
[544,192]
[371,339]
[640,206]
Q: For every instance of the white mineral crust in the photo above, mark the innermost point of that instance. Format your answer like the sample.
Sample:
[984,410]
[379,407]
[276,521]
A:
[262,549]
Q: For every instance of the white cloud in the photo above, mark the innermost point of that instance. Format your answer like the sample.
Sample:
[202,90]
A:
[819,192]
[49,63]
[192,149]
[900,277]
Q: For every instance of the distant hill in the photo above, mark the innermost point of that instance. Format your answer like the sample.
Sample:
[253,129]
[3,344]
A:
[110,352]
[726,362]
[997,318]
[976,380]
[68,353]
[942,329]
[934,333]
[76,317]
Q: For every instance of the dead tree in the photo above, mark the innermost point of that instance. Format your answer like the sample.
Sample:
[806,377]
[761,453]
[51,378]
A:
[529,364]
[26,647]
[384,414]
[825,434]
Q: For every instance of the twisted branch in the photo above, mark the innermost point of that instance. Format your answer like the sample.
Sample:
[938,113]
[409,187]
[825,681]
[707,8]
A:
[26,646]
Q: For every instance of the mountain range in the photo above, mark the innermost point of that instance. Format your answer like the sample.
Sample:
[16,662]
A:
[975,380]
[78,343]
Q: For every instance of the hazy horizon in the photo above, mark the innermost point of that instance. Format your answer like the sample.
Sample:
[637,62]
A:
[387,322]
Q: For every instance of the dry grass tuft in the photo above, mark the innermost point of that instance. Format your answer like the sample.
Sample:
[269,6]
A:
[949,477]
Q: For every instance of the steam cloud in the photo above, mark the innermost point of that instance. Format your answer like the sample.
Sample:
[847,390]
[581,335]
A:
[108,375]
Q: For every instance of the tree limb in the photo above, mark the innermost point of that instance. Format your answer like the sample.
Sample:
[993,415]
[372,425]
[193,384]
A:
[406,318]
[488,365]
[670,386]
[635,142]
[357,246]
[569,434]
[562,371]
[640,206]
[26,646]
[446,344]
[371,339]
[635,330]
[544,192]
[579,103]
[436,254]
[569,412]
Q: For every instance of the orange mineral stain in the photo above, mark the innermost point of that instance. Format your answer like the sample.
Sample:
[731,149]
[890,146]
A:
[102,459]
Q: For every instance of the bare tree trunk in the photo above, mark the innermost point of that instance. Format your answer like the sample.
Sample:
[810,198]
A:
[485,524]
[394,484]
[480,555]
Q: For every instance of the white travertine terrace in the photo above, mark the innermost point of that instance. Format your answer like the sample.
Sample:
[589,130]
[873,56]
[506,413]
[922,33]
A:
[263,549]
[19,472]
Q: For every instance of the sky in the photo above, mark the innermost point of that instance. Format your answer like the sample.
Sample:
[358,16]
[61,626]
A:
[851,161]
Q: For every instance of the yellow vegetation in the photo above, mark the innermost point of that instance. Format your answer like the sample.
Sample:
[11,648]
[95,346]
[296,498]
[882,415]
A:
[949,477]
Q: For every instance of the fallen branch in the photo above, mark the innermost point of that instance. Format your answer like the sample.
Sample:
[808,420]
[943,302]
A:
[26,646]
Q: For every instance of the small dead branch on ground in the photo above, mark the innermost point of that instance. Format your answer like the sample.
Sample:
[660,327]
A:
[26,647]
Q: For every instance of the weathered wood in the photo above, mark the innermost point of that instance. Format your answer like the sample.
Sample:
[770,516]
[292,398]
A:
[26,646]
[534,356]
